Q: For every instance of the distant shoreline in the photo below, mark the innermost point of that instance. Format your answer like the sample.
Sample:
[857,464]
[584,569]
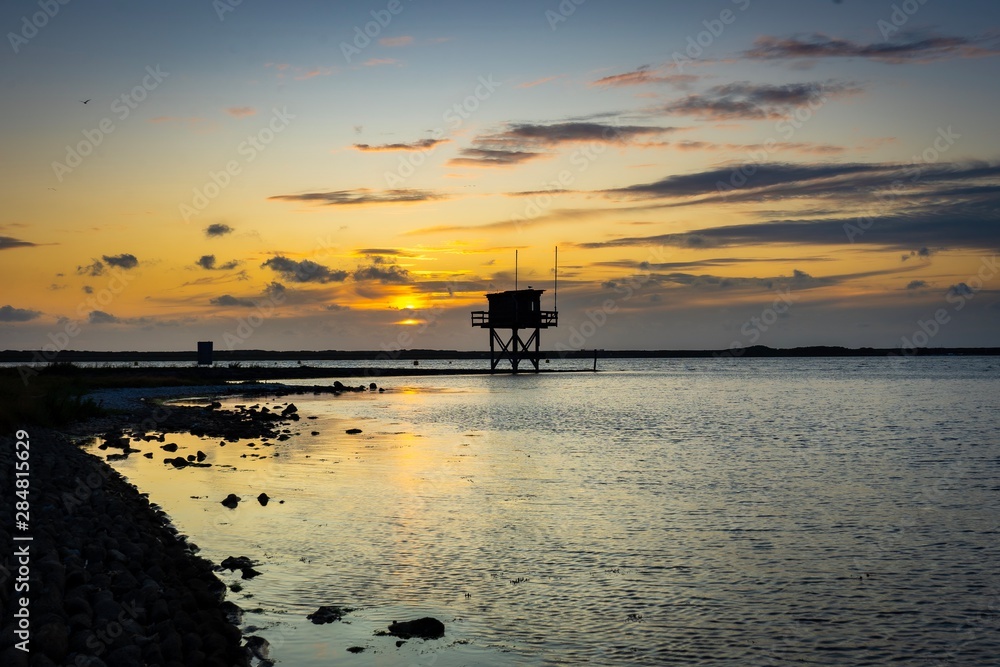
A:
[231,356]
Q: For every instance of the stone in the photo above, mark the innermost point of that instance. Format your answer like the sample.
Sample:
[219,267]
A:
[169,447]
[263,498]
[353,431]
[231,501]
[425,628]
[328,614]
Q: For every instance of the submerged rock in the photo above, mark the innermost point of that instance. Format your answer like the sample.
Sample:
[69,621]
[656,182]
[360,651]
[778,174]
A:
[236,563]
[353,431]
[328,614]
[425,628]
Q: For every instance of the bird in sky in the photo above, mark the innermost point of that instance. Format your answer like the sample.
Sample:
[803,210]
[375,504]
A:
[85,101]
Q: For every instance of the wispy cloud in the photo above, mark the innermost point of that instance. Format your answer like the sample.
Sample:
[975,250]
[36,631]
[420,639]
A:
[230,300]
[402,40]
[906,49]
[8,242]
[381,62]
[493,157]
[646,75]
[516,143]
[361,197]
[241,112]
[381,270]
[421,145]
[750,101]
[539,82]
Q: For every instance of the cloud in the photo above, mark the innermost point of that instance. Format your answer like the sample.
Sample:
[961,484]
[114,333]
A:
[645,75]
[12,314]
[8,242]
[538,82]
[207,262]
[916,284]
[402,40]
[362,196]
[393,252]
[95,269]
[218,229]
[379,62]
[123,261]
[380,270]
[230,300]
[907,49]
[572,132]
[491,157]
[961,289]
[749,101]
[520,142]
[421,145]
[241,112]
[305,271]
[101,317]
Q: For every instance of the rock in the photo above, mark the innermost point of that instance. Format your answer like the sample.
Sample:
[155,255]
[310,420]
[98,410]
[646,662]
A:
[201,456]
[231,501]
[425,628]
[148,455]
[258,646]
[178,462]
[400,642]
[328,614]
[356,649]
[314,433]
[263,498]
[372,386]
[169,447]
[290,409]
[236,563]
[353,431]
[250,573]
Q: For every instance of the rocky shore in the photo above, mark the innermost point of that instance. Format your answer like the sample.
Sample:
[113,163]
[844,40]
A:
[111,581]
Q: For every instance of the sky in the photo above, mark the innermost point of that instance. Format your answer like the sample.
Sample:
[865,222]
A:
[359,175]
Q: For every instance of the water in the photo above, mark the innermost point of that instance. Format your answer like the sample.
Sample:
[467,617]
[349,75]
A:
[688,512]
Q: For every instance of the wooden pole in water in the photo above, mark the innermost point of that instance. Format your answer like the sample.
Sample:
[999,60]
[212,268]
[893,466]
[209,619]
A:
[595,359]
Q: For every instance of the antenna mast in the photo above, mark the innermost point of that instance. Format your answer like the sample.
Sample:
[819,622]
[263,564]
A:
[515,269]
[555,298]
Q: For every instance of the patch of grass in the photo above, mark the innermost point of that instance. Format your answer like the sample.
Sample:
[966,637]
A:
[46,399]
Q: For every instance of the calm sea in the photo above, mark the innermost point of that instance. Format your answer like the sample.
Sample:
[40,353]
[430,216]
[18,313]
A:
[688,512]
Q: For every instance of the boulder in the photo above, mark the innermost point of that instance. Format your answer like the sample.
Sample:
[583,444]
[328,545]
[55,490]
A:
[425,628]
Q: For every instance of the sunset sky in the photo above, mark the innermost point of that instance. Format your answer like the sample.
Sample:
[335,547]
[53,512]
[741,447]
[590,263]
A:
[320,175]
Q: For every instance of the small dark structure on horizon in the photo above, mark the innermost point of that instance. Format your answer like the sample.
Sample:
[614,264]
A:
[204,353]
[517,310]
